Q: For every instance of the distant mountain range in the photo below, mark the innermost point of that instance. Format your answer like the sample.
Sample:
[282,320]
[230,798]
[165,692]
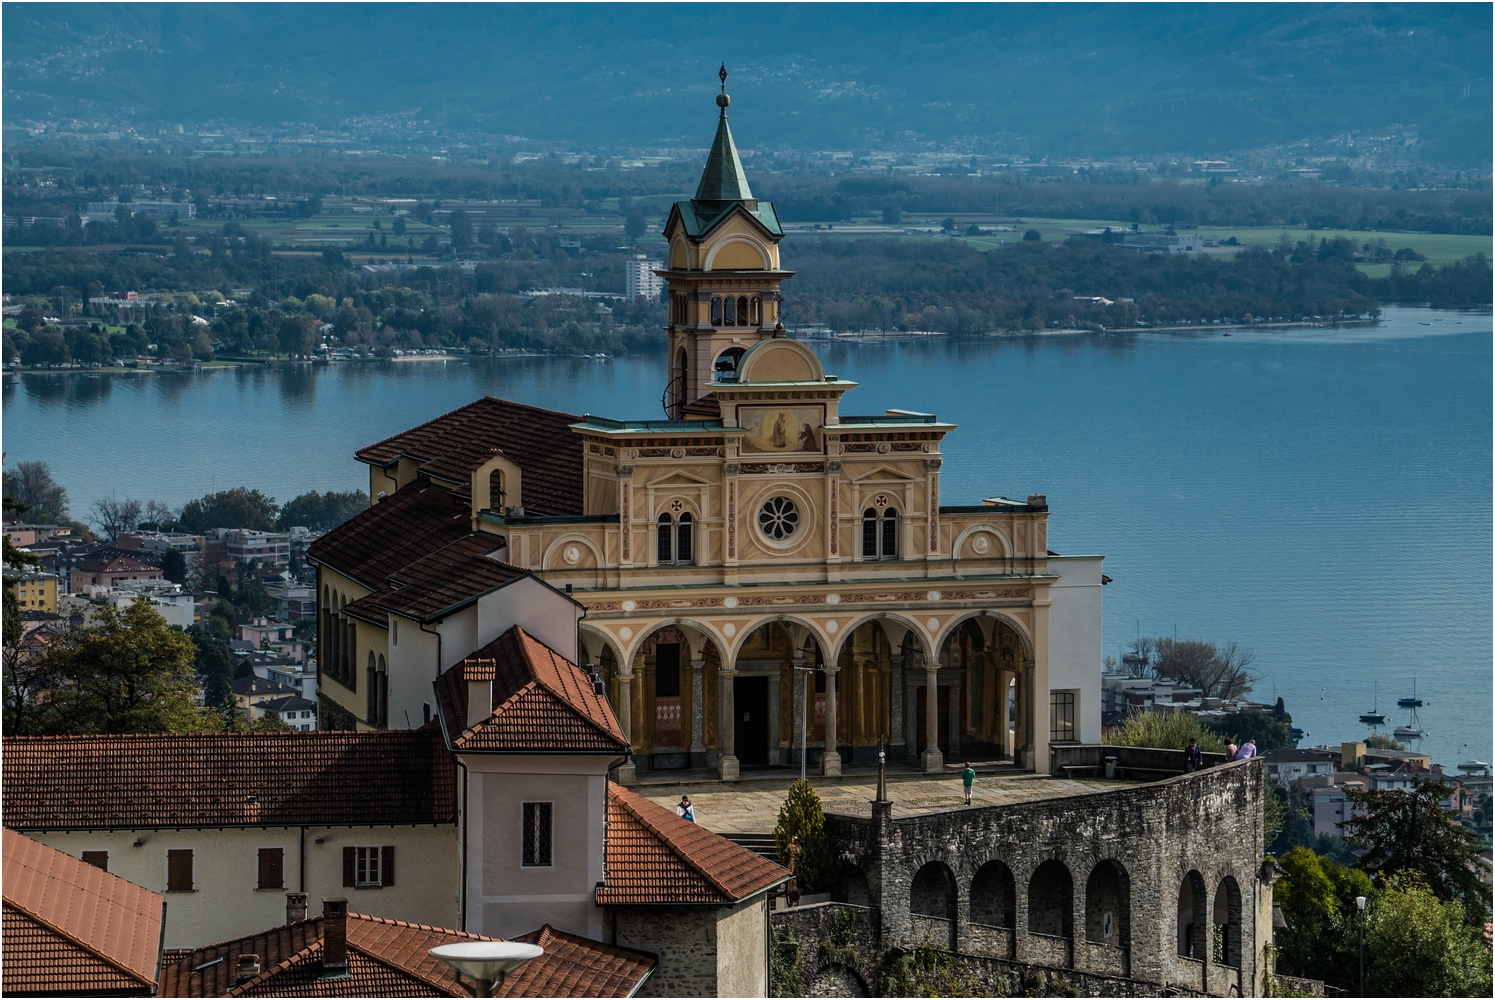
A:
[1023,78]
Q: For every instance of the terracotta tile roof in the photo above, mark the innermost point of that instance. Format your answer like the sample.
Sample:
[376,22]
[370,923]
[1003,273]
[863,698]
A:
[70,927]
[537,440]
[655,856]
[542,702]
[391,958]
[452,576]
[182,780]
[396,531]
[117,564]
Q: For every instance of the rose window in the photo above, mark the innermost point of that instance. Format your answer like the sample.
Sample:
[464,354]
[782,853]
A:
[778,518]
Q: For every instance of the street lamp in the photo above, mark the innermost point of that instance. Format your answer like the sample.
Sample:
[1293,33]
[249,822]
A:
[804,711]
[1360,905]
[486,963]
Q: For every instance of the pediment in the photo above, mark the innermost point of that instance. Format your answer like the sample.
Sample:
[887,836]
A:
[682,479]
[882,474]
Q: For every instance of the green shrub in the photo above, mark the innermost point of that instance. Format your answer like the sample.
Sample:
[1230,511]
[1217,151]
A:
[803,816]
[1164,731]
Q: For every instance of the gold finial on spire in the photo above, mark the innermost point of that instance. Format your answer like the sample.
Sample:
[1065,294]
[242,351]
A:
[722,100]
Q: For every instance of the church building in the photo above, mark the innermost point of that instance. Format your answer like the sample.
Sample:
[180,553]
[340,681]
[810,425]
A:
[759,577]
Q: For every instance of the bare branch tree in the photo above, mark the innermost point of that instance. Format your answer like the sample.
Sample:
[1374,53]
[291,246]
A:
[114,516]
[159,514]
[1218,672]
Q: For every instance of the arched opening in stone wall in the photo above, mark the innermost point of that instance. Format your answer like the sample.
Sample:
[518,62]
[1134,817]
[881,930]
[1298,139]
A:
[837,981]
[1192,914]
[993,896]
[851,886]
[1108,908]
[933,892]
[1226,942]
[1051,894]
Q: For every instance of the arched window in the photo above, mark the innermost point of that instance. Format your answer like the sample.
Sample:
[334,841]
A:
[371,715]
[684,542]
[731,307]
[879,534]
[716,310]
[496,490]
[742,310]
[666,548]
[757,311]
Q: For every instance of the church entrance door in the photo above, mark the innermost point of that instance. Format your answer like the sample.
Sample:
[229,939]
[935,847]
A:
[750,728]
[944,709]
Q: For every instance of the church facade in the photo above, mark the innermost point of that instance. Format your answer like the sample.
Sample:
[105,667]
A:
[758,578]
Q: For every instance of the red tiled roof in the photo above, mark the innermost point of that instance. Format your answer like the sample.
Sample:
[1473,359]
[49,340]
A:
[117,564]
[537,440]
[391,958]
[70,927]
[542,702]
[655,856]
[180,780]
[398,530]
[453,575]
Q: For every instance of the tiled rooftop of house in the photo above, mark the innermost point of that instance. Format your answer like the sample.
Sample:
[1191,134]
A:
[391,958]
[181,780]
[655,856]
[541,701]
[401,528]
[537,440]
[438,583]
[70,927]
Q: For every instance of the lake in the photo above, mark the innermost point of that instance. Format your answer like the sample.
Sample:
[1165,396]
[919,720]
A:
[1320,496]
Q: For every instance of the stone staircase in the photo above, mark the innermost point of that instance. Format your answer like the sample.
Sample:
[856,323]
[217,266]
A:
[759,843]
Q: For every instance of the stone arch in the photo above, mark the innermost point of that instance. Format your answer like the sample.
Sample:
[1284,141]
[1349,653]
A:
[1193,898]
[1018,627]
[836,980]
[806,628]
[780,360]
[558,554]
[737,253]
[851,886]
[1225,941]
[679,256]
[932,892]
[906,623]
[1108,906]
[1001,549]
[994,896]
[1051,894]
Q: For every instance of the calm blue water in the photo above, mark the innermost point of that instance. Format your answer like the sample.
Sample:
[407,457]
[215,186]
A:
[1321,497]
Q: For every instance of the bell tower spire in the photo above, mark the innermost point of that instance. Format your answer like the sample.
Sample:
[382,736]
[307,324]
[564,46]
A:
[723,276]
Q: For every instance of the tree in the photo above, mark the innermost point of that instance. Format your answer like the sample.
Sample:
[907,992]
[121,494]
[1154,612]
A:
[297,334]
[635,225]
[114,516]
[159,514]
[322,511]
[127,672]
[948,225]
[1219,672]
[399,225]
[214,663]
[1268,730]
[802,816]
[1317,898]
[1417,945]
[462,230]
[174,566]
[1412,832]
[1164,731]
[239,507]
[1032,236]
[1380,741]
[892,213]
[31,484]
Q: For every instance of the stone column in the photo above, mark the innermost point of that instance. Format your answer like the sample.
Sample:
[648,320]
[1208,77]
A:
[797,710]
[726,761]
[955,733]
[886,730]
[898,742]
[933,761]
[830,760]
[1029,761]
[697,710]
[627,771]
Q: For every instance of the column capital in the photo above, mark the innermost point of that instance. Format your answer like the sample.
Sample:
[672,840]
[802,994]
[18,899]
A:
[831,669]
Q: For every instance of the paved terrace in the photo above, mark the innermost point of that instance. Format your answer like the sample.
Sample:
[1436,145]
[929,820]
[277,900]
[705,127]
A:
[752,804]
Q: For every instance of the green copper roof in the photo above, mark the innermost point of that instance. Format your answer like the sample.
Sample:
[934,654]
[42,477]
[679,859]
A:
[723,179]
[700,217]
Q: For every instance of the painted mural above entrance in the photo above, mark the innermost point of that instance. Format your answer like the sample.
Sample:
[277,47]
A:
[778,429]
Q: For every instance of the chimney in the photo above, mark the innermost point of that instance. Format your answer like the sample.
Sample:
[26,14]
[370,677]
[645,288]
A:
[334,938]
[1038,501]
[249,967]
[295,907]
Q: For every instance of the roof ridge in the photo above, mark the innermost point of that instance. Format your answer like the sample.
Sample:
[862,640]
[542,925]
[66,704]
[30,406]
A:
[393,922]
[72,938]
[291,961]
[527,406]
[440,416]
[669,842]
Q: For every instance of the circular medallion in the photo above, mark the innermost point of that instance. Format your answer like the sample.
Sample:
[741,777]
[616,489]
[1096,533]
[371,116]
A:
[677,505]
[629,605]
[730,602]
[933,595]
[833,598]
[933,624]
[881,500]
[832,626]
[882,448]
[572,554]
[625,632]
[778,518]
[729,630]
[981,543]
[677,452]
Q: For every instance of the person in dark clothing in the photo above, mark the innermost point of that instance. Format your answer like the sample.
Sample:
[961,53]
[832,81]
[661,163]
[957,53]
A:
[1193,756]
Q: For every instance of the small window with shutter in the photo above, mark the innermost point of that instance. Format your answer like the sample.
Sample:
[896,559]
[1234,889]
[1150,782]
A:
[368,867]
[272,868]
[99,859]
[179,870]
[537,834]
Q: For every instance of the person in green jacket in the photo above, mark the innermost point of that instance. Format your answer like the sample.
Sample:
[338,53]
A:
[968,778]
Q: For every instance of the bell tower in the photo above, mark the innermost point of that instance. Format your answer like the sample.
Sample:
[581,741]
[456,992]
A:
[723,277]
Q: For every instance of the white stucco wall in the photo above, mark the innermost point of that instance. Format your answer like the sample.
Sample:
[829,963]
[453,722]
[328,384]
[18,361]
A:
[1075,639]
[225,902]
[506,898]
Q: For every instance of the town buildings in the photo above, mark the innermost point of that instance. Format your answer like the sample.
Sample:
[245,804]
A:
[641,284]
[36,592]
[755,559]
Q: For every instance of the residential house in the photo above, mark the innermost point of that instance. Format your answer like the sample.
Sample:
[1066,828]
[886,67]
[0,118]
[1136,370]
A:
[1286,765]
[73,929]
[293,601]
[110,569]
[354,955]
[277,669]
[1327,801]
[262,549]
[297,712]
[249,692]
[24,536]
[36,592]
[224,824]
[262,633]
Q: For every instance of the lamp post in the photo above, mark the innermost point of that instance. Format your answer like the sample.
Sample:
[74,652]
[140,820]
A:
[1360,905]
[486,963]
